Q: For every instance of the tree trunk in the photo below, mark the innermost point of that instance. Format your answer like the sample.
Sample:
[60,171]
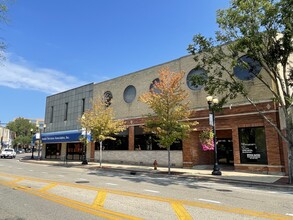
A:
[290,164]
[289,135]
[101,146]
[169,161]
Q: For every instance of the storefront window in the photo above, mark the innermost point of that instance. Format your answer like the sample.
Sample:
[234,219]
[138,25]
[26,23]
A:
[53,151]
[252,143]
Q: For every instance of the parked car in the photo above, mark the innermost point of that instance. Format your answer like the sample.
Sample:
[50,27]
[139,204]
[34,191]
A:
[19,151]
[8,153]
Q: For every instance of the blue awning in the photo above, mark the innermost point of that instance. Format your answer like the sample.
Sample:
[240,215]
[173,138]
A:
[61,136]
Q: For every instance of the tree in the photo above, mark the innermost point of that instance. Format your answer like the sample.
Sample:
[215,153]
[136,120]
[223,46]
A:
[262,31]
[100,122]
[22,129]
[170,119]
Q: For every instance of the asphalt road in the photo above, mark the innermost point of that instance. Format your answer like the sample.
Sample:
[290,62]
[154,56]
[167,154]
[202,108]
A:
[34,191]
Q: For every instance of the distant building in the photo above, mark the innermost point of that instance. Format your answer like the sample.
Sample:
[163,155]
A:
[245,140]
[35,121]
[6,137]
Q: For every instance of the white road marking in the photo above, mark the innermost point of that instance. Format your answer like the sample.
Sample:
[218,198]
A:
[112,184]
[61,175]
[289,214]
[19,168]
[45,172]
[211,201]
[153,191]
[31,170]
[273,192]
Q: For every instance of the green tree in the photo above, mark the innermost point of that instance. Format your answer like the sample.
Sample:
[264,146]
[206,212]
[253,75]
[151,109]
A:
[262,30]
[170,119]
[99,120]
[22,129]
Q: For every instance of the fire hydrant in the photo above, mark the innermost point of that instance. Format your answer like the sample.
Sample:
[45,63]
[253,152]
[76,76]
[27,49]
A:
[155,165]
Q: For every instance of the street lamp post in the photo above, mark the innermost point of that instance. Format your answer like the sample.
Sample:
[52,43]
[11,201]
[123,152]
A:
[84,161]
[40,138]
[212,101]
[32,157]
[84,134]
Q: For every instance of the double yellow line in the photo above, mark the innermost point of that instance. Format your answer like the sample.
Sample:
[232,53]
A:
[97,207]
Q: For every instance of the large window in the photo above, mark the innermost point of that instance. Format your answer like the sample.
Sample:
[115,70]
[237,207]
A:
[129,94]
[144,141]
[52,114]
[191,74]
[53,151]
[66,111]
[246,68]
[74,151]
[252,142]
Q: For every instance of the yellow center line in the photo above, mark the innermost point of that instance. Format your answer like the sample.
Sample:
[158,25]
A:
[215,207]
[100,199]
[180,211]
[101,212]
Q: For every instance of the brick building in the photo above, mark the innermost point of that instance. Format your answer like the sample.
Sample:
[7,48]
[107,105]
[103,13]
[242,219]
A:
[245,140]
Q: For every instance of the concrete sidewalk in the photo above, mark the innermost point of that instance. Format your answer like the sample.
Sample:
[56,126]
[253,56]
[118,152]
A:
[198,171]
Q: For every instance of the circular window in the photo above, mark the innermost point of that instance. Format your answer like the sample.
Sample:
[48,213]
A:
[152,86]
[108,97]
[246,68]
[129,94]
[195,72]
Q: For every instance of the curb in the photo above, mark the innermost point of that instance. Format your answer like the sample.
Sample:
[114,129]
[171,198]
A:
[162,173]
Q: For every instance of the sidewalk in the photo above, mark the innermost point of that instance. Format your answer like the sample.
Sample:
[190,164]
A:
[228,175]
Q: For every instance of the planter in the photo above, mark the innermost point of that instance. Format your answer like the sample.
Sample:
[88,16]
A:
[206,138]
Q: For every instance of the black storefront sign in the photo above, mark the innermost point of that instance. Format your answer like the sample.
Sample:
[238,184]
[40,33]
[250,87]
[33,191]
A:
[252,145]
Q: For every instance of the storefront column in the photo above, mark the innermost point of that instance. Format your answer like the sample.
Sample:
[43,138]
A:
[236,147]
[131,138]
[91,145]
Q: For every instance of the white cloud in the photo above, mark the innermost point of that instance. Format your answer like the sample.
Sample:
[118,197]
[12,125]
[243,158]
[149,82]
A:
[20,75]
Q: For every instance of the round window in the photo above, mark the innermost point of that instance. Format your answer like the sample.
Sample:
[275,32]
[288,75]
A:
[246,68]
[194,72]
[108,97]
[152,85]
[129,94]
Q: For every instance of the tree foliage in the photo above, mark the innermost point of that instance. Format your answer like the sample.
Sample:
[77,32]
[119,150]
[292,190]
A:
[22,129]
[262,30]
[169,121]
[99,120]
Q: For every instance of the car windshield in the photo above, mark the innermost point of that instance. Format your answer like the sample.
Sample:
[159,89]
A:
[8,150]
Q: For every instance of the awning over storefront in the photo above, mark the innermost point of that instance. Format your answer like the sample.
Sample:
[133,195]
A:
[61,136]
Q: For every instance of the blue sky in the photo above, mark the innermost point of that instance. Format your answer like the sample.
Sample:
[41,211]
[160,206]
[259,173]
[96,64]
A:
[56,45]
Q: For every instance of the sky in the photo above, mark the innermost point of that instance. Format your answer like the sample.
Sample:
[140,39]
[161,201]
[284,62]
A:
[57,45]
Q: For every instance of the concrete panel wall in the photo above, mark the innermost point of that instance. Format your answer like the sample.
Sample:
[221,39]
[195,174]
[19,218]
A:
[141,157]
[74,98]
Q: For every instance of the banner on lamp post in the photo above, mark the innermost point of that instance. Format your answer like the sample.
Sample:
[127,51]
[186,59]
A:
[211,119]
[38,136]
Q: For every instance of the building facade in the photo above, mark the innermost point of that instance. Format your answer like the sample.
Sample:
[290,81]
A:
[245,140]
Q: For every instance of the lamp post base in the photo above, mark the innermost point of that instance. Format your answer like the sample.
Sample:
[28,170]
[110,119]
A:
[216,171]
[84,162]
